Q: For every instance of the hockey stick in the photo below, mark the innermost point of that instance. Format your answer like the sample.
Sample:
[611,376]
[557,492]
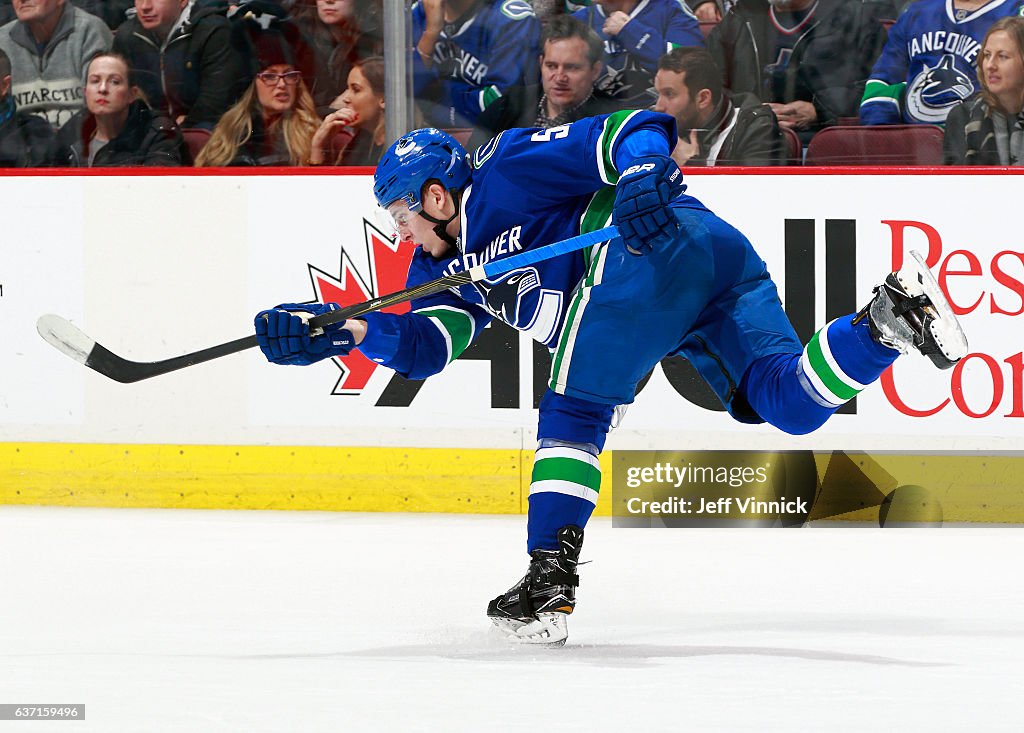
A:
[69,339]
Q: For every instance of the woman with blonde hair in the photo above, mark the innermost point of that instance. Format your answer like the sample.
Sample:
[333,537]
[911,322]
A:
[274,121]
[988,129]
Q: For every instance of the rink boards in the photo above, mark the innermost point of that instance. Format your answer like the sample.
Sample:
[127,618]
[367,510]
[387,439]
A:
[154,266]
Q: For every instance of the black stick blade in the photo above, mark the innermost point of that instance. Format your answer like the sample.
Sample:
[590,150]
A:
[70,340]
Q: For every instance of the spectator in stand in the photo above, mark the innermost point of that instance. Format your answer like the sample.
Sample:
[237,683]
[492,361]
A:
[469,53]
[48,46]
[709,11]
[636,33]
[26,141]
[111,12]
[807,58]
[360,115]
[570,63]
[714,128]
[182,58]
[341,33]
[275,120]
[989,128]
[117,128]
[927,66]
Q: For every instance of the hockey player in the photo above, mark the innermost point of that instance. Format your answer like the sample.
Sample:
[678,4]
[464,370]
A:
[928,64]
[680,280]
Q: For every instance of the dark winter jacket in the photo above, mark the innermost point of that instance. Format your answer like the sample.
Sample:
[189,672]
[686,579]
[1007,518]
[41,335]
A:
[197,72]
[148,139]
[970,137]
[752,134]
[830,63]
[518,108]
[26,141]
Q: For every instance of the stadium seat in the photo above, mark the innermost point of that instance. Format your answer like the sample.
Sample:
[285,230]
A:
[794,148]
[195,139]
[876,145]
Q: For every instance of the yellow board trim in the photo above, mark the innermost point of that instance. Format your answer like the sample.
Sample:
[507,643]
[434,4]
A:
[261,477]
[973,488]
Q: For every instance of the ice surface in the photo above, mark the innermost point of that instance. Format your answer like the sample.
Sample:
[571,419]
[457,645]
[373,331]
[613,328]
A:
[279,621]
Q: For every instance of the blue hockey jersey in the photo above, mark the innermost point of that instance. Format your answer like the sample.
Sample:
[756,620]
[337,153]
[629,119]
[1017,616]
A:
[631,58]
[530,187]
[493,47]
[929,63]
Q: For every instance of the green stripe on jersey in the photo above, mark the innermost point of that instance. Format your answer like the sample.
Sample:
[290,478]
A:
[490,94]
[456,325]
[876,90]
[613,125]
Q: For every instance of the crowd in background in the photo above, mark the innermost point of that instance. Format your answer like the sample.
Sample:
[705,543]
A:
[301,82]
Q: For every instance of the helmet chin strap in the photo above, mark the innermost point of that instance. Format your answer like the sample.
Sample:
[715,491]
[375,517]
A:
[441,225]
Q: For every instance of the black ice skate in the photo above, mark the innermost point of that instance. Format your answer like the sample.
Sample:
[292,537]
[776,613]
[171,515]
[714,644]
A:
[909,310]
[536,609]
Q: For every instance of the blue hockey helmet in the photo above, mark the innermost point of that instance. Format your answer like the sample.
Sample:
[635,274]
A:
[412,160]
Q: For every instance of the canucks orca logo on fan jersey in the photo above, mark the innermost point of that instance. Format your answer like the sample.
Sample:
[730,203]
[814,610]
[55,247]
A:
[937,89]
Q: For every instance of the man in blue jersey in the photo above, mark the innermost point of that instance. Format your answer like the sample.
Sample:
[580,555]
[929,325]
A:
[469,53]
[636,33]
[679,280]
[928,64]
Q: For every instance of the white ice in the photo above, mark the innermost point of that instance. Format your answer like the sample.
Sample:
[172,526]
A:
[278,621]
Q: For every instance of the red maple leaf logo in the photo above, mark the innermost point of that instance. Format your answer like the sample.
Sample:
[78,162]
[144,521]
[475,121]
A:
[389,266]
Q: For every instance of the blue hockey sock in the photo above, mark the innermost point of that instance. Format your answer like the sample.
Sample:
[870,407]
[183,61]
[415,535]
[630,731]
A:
[797,393]
[842,359]
[563,490]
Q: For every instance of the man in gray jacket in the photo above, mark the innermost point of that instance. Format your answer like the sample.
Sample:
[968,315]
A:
[49,45]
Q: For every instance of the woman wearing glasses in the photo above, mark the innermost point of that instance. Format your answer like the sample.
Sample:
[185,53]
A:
[117,128]
[353,134]
[274,120]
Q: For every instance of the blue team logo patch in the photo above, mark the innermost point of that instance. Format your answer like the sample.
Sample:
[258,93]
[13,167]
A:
[503,296]
[937,89]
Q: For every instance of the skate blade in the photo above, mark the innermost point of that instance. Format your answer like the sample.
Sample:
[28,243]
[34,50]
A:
[945,328]
[548,629]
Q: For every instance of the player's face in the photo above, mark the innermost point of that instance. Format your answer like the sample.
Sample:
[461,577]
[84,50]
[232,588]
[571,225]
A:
[674,99]
[1002,66]
[566,73]
[414,228]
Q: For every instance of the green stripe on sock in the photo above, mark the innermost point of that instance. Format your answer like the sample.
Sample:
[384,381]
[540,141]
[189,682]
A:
[821,367]
[567,469]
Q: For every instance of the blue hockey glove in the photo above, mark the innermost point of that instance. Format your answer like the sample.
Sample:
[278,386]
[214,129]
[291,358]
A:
[283,334]
[641,197]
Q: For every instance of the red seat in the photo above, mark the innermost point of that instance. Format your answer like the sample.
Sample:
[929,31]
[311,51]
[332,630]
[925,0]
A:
[794,148]
[195,139]
[876,145]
